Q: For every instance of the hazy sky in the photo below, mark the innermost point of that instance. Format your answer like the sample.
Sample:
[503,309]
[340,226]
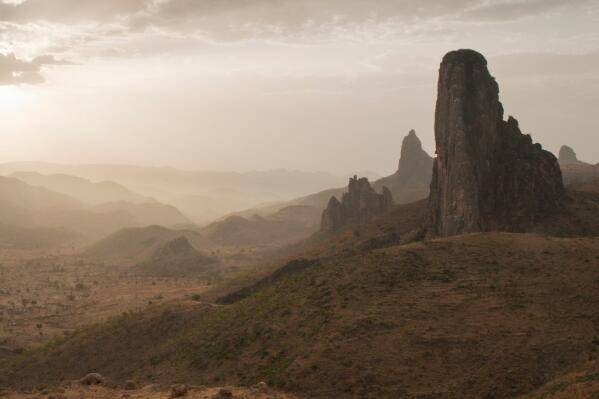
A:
[259,84]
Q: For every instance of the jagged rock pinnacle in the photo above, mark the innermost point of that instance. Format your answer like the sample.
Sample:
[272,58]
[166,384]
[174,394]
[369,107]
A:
[359,204]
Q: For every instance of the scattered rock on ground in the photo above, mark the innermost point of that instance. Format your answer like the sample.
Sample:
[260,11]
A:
[178,390]
[224,393]
[92,379]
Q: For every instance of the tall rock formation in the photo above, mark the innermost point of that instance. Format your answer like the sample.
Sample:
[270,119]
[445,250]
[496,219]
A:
[412,180]
[487,175]
[567,156]
[358,204]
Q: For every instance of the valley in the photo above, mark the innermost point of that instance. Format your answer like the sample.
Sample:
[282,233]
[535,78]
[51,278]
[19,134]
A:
[47,298]
[230,199]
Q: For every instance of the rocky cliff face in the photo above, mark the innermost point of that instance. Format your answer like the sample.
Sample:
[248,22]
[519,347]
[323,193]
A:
[412,180]
[359,204]
[487,175]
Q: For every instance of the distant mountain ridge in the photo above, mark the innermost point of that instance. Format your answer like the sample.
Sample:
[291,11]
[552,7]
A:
[410,183]
[288,224]
[82,189]
[31,207]
[136,244]
[202,195]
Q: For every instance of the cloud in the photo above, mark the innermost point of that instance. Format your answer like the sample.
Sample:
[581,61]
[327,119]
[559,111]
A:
[84,30]
[509,10]
[14,71]
[69,11]
[242,19]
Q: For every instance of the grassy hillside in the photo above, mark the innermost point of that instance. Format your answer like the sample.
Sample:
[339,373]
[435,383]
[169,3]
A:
[485,315]
[176,258]
[582,383]
[138,244]
[292,223]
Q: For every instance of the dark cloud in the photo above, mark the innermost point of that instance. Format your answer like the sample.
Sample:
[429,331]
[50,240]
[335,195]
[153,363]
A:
[14,71]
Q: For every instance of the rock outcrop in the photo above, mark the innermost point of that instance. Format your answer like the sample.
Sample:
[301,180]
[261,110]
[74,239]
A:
[567,155]
[487,176]
[412,180]
[574,171]
[360,203]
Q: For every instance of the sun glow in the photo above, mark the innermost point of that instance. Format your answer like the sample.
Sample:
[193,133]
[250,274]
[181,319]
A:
[12,98]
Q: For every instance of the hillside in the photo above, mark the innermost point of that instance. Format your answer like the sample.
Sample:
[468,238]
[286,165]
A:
[591,186]
[82,189]
[146,213]
[15,193]
[203,195]
[581,383]
[470,316]
[138,244]
[30,207]
[579,173]
[288,224]
[176,258]
[259,391]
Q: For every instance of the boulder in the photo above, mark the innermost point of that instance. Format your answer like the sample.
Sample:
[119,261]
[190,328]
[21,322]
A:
[178,390]
[224,393]
[92,379]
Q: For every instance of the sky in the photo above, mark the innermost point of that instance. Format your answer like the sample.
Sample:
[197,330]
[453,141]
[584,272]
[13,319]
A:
[264,84]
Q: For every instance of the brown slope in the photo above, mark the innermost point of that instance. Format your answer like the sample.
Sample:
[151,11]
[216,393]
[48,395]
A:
[485,315]
[74,391]
[134,245]
[580,383]
[176,258]
[289,224]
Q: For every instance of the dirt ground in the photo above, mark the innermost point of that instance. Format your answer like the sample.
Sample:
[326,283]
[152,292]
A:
[148,392]
[46,297]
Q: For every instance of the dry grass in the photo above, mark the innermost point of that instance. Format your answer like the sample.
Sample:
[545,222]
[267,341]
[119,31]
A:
[150,392]
[484,315]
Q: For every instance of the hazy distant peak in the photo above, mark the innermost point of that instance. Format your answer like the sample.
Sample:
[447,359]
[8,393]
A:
[176,247]
[567,155]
